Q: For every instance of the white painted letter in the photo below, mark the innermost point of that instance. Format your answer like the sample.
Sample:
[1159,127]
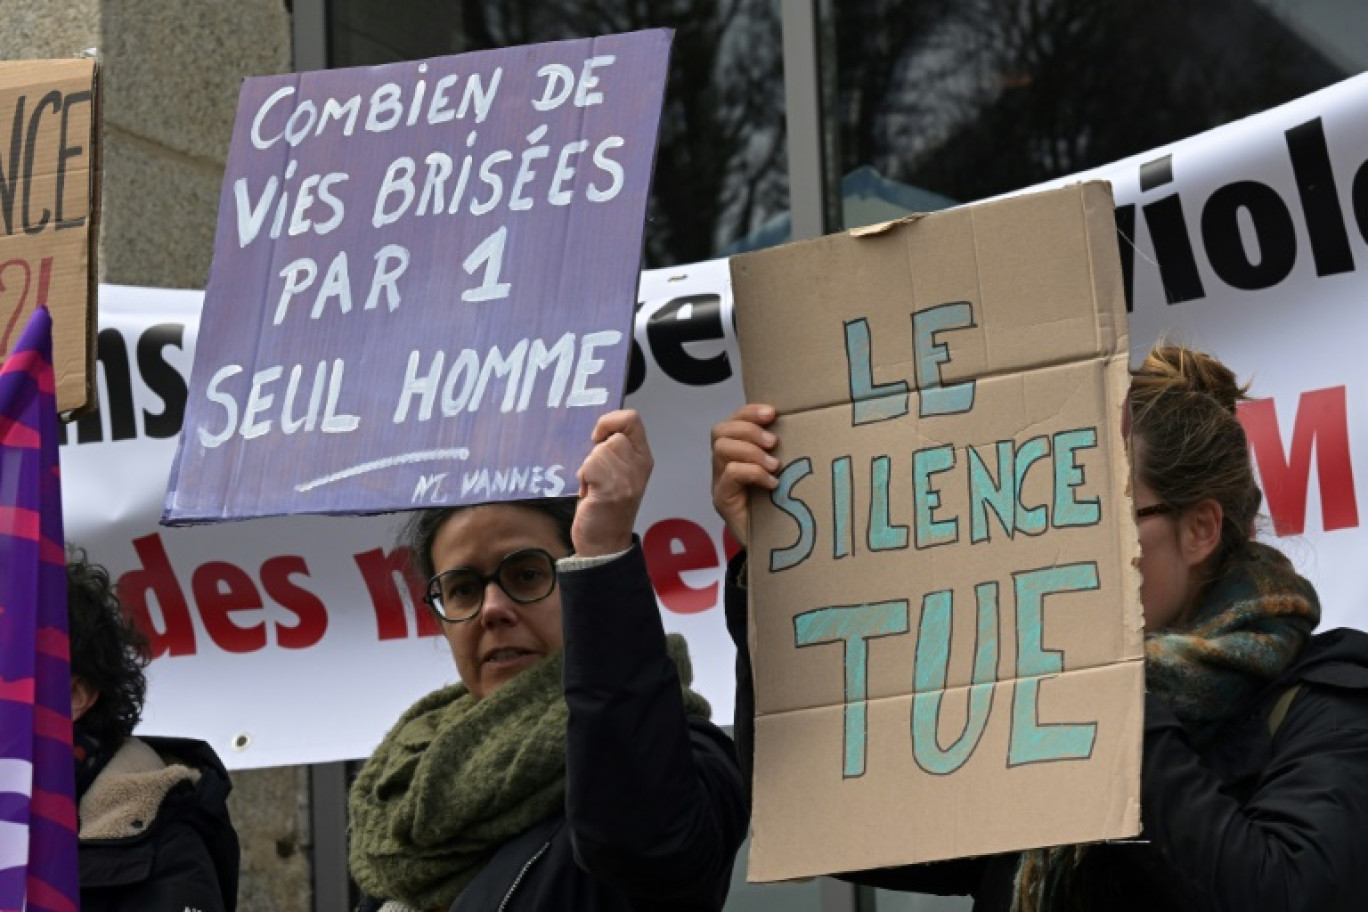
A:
[483,98]
[588,366]
[468,366]
[511,367]
[250,218]
[325,195]
[490,252]
[334,423]
[422,386]
[384,101]
[208,440]
[293,283]
[387,276]
[334,111]
[336,282]
[438,112]
[439,169]
[288,422]
[299,222]
[583,97]
[282,92]
[259,401]
[564,171]
[554,73]
[398,177]
[607,164]
[539,358]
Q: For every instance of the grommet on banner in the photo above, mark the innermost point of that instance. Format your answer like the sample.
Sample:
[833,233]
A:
[242,741]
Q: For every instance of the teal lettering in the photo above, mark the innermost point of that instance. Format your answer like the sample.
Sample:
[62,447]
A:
[925,463]
[984,491]
[871,403]
[882,535]
[852,626]
[1031,521]
[1032,742]
[843,542]
[1068,510]
[931,354]
[782,497]
[932,674]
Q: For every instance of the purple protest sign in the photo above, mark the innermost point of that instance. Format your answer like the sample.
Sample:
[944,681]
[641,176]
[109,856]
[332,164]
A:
[423,281]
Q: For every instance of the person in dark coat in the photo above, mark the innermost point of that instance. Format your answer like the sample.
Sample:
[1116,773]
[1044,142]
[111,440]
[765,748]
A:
[1254,780]
[154,831]
[573,768]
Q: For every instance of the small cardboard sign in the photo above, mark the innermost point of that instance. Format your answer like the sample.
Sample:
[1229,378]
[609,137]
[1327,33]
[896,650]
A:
[945,622]
[49,192]
[423,281]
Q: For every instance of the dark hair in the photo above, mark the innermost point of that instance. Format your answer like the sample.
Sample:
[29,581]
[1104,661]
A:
[1183,408]
[421,528]
[106,650]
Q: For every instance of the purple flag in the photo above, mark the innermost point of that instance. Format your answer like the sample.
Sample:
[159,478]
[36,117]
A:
[37,793]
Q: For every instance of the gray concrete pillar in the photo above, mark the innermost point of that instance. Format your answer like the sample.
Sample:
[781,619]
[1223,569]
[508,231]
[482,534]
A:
[171,75]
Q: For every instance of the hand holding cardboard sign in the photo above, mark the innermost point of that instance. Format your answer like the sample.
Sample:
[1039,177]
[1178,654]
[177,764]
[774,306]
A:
[740,460]
[612,482]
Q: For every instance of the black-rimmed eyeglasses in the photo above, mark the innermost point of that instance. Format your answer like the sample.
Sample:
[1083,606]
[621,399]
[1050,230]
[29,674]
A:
[525,576]
[1157,509]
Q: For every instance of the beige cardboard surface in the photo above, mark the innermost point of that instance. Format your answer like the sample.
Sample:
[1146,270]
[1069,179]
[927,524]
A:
[945,621]
[49,166]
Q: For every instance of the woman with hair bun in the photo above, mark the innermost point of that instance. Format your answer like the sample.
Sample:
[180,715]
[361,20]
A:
[1254,782]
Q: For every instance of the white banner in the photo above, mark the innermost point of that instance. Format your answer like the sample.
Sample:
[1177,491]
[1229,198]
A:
[1251,242]
[295,641]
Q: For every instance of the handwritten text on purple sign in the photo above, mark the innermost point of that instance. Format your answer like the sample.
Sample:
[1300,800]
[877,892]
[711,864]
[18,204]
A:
[467,182]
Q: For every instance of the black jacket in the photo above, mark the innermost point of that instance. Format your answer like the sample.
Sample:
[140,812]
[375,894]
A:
[183,856]
[654,810]
[1255,822]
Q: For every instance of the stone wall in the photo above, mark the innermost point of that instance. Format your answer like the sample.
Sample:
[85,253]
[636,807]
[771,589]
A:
[171,73]
[171,70]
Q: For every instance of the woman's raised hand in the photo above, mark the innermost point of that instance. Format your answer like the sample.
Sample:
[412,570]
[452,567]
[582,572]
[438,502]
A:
[612,482]
[741,459]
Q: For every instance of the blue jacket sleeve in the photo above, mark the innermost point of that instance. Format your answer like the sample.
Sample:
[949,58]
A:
[653,797]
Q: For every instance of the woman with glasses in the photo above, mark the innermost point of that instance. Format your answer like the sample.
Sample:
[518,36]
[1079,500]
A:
[1254,781]
[572,768]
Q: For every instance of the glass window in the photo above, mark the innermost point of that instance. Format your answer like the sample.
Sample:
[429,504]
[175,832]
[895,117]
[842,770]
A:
[788,897]
[963,99]
[887,901]
[721,168]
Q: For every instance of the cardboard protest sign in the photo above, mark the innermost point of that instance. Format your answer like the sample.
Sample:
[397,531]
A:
[49,193]
[945,621]
[423,281]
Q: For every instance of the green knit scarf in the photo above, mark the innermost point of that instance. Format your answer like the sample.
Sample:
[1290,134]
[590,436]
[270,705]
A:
[1251,626]
[457,777]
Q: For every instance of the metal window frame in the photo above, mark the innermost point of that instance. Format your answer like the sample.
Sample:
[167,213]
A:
[810,195]
[310,35]
[328,831]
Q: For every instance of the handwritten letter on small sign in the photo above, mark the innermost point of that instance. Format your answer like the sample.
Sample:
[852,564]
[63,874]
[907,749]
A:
[48,179]
[945,617]
[423,281]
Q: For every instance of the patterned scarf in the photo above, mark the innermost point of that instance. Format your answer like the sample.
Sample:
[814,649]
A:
[1251,626]
[457,777]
